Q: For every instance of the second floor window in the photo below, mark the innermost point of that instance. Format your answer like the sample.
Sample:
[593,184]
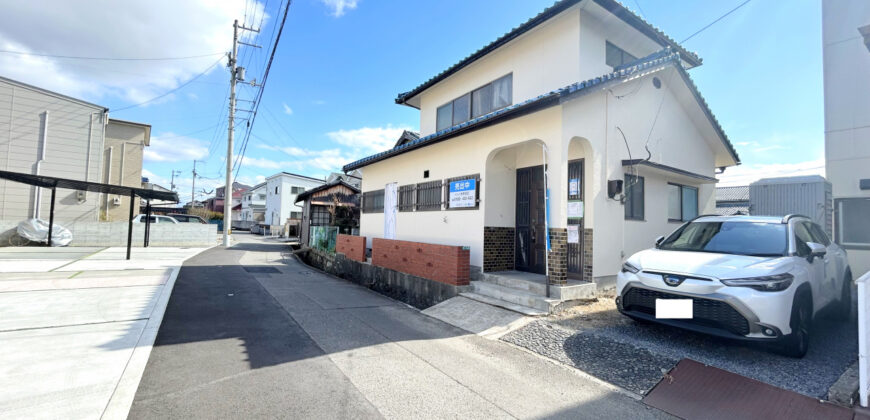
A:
[615,56]
[296,190]
[481,101]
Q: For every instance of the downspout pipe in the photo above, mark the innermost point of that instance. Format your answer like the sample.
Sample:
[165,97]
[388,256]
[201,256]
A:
[43,141]
[545,153]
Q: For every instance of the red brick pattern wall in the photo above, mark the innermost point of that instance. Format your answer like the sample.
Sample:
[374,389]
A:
[353,247]
[441,263]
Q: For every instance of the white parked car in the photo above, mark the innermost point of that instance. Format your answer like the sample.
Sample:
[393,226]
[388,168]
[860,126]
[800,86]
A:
[154,219]
[744,277]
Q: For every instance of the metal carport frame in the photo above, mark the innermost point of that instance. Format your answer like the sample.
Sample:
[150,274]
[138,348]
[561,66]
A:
[54,183]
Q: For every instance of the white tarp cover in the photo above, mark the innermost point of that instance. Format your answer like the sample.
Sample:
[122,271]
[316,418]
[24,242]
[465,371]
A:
[36,230]
[390,209]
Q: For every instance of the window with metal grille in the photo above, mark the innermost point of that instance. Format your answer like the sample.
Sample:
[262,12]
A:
[373,201]
[429,196]
[406,198]
[476,178]
[320,216]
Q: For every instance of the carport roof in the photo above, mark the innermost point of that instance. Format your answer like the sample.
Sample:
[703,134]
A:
[73,184]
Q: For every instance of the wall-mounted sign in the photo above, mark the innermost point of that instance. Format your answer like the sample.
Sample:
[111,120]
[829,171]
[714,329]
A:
[575,209]
[574,187]
[573,234]
[463,193]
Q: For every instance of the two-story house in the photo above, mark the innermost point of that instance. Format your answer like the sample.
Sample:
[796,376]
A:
[586,101]
[281,191]
[846,62]
[254,205]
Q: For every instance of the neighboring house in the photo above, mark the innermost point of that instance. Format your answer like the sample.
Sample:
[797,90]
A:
[846,52]
[122,165]
[254,205]
[156,203]
[216,203]
[335,203]
[591,89]
[732,200]
[46,133]
[353,178]
[281,191]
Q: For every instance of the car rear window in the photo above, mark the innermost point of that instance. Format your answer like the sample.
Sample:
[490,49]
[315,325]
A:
[742,238]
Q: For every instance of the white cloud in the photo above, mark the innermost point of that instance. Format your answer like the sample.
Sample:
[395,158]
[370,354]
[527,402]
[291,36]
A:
[169,147]
[368,139]
[338,7]
[746,174]
[319,102]
[287,109]
[158,28]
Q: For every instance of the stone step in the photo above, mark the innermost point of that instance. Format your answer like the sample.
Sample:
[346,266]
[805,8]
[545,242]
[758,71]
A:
[525,310]
[574,290]
[515,296]
[538,288]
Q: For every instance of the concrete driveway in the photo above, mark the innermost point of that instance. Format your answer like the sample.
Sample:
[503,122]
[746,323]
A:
[76,327]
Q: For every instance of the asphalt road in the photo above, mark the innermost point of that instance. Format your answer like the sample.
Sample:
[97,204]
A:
[249,333]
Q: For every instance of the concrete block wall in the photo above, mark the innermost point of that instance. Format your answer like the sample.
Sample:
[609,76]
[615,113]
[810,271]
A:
[115,234]
[353,247]
[442,263]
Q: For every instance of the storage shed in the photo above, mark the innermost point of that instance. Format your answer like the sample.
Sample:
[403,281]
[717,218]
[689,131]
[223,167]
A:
[807,195]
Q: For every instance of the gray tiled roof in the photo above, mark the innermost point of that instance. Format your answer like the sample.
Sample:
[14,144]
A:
[614,7]
[653,62]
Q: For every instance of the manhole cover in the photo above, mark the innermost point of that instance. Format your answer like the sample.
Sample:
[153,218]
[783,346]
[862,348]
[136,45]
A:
[261,270]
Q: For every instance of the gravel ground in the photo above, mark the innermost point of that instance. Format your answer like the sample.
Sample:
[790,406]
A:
[602,342]
[627,366]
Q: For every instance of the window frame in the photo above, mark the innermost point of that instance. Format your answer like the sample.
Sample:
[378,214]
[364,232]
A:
[470,95]
[407,197]
[628,208]
[622,54]
[317,213]
[372,196]
[838,226]
[683,218]
[420,203]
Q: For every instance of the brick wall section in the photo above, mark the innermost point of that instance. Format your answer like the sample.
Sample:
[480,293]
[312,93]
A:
[558,257]
[353,247]
[498,248]
[441,263]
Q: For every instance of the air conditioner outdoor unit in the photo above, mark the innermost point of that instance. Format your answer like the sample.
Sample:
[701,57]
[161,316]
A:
[116,201]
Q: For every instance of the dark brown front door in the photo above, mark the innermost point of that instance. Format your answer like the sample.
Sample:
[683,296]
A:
[531,238]
[575,193]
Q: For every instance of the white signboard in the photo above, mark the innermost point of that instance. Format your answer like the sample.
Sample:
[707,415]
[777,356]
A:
[575,209]
[574,187]
[573,234]
[463,193]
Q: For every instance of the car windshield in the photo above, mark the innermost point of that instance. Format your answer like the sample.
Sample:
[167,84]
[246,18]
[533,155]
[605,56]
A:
[742,238]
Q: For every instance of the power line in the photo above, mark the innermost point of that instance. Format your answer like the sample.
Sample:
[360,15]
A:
[262,88]
[77,57]
[173,90]
[714,22]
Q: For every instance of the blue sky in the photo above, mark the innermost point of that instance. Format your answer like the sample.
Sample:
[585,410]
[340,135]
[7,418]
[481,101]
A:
[340,64]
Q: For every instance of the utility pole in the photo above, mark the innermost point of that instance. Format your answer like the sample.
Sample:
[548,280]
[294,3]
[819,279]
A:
[193,188]
[237,74]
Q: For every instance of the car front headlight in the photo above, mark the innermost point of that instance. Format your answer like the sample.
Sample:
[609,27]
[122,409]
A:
[629,268]
[774,283]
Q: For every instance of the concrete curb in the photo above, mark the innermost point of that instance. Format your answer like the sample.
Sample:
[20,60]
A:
[125,391]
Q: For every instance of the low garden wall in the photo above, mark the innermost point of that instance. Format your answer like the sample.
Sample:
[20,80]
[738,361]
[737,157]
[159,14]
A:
[115,233]
[353,247]
[442,263]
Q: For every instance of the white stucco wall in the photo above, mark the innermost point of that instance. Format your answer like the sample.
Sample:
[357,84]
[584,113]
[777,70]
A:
[847,110]
[279,204]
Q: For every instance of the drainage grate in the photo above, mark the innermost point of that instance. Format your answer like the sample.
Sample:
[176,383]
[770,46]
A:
[261,270]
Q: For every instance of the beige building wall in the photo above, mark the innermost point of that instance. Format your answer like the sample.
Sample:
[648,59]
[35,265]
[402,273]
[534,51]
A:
[122,157]
[847,108]
[68,131]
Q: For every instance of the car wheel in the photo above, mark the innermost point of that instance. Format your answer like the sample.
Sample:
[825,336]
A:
[797,343]
[844,306]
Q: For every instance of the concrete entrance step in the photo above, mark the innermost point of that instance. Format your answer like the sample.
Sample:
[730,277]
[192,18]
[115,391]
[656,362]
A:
[525,310]
[536,284]
[515,296]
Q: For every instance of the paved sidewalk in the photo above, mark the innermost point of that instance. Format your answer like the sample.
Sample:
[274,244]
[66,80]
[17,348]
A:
[76,326]
[250,333]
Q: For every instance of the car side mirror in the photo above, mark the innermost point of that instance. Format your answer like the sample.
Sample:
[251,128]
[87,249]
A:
[659,241]
[816,250]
